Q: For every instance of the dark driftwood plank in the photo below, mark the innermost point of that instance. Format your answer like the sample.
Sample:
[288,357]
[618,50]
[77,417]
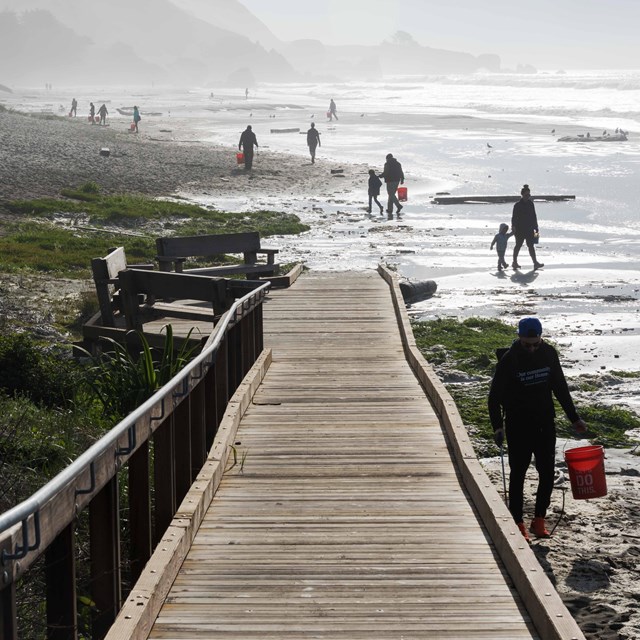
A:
[496,199]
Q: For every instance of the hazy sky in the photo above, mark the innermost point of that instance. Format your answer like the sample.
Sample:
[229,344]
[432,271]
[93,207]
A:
[546,33]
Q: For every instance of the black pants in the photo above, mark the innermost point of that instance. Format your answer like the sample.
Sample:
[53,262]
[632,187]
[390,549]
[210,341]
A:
[519,242]
[526,441]
[248,158]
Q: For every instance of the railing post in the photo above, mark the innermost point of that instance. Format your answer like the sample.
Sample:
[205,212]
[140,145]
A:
[60,563]
[246,343]
[198,434]
[8,612]
[222,376]
[164,478]
[104,531]
[182,435]
[234,356]
[139,510]
[258,328]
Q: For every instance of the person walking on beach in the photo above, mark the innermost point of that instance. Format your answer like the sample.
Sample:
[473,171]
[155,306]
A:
[103,113]
[526,379]
[500,241]
[375,184]
[247,141]
[92,113]
[74,108]
[332,110]
[313,141]
[136,117]
[524,224]
[394,177]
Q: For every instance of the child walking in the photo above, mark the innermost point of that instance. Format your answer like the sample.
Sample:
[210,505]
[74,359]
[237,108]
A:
[374,190]
[500,241]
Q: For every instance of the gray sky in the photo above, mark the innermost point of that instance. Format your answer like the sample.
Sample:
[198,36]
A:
[549,34]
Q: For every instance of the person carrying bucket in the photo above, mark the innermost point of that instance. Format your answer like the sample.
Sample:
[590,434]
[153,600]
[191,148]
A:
[394,177]
[136,118]
[247,141]
[526,379]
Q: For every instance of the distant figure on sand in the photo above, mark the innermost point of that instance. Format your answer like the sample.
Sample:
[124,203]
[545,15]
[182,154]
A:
[74,108]
[246,93]
[500,241]
[313,141]
[136,117]
[247,141]
[375,185]
[524,224]
[332,110]
[103,113]
[394,177]
[92,113]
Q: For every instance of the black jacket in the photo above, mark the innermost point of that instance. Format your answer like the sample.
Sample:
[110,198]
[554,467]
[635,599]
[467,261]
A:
[524,385]
[374,185]
[247,140]
[313,137]
[524,220]
[392,171]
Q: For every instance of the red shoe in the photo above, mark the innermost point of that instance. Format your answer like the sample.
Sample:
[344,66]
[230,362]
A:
[523,531]
[538,529]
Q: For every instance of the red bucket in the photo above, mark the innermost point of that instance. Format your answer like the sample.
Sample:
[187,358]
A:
[402,194]
[586,472]
[240,157]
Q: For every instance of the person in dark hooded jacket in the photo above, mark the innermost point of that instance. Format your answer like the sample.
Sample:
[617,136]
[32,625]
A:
[524,224]
[247,141]
[527,378]
[394,177]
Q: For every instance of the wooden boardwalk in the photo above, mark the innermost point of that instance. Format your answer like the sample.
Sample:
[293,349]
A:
[347,518]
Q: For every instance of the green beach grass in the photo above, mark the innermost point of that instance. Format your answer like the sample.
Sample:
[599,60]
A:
[61,236]
[469,346]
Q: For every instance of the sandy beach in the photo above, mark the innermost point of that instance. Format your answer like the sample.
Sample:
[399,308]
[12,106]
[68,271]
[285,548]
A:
[587,294]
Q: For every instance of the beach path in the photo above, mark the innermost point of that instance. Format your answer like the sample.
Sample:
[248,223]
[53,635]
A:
[347,517]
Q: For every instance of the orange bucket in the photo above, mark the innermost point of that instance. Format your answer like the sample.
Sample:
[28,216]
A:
[586,472]
[402,194]
[240,157]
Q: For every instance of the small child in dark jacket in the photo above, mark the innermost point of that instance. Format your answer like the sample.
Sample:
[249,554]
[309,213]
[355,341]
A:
[374,190]
[500,241]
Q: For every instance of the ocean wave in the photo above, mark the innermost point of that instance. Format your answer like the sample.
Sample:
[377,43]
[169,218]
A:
[623,82]
[559,111]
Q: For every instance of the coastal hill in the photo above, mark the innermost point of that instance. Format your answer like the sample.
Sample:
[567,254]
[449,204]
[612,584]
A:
[190,42]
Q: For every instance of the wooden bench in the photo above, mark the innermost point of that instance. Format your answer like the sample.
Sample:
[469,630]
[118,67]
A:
[105,278]
[174,252]
[130,295]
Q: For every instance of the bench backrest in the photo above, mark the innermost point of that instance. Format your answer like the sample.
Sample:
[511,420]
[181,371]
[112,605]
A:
[105,273]
[187,246]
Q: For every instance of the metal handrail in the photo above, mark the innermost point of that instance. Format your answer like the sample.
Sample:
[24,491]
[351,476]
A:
[32,505]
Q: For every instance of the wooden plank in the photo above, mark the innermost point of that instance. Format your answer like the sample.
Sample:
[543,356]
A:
[346,517]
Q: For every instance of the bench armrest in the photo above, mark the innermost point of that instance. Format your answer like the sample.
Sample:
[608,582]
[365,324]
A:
[270,253]
[167,262]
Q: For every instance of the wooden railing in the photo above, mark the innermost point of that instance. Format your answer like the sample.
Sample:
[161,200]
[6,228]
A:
[152,457]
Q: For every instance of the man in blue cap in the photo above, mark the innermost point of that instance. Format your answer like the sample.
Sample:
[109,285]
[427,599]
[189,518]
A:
[527,377]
